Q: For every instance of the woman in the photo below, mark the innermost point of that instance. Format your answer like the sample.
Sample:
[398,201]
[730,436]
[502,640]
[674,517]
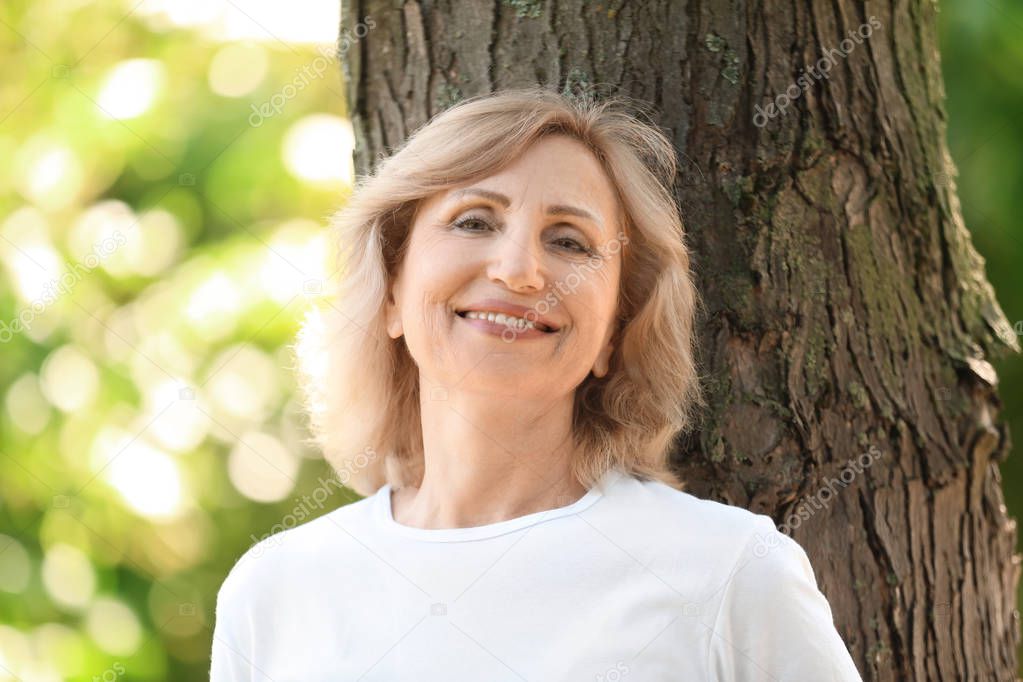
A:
[502,373]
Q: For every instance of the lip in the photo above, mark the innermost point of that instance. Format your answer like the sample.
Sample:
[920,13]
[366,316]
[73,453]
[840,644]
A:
[506,333]
[498,306]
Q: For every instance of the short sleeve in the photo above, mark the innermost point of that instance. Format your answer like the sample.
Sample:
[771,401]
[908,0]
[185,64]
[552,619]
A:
[773,623]
[232,637]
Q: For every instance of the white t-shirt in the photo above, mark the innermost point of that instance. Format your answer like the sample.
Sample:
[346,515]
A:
[634,581]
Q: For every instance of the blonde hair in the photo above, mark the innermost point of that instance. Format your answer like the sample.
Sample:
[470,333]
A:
[361,387]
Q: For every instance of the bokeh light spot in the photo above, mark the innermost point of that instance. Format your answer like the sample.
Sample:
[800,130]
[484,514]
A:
[318,149]
[130,88]
[261,468]
[68,576]
[69,378]
[237,69]
[113,626]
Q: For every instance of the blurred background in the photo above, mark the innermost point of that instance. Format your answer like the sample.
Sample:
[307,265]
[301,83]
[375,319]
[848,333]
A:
[167,169]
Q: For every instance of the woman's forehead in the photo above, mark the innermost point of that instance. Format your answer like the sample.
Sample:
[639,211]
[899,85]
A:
[562,175]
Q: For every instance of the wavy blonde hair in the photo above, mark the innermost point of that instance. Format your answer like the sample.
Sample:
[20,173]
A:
[361,388]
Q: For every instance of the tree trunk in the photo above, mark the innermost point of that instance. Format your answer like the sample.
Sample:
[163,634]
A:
[846,310]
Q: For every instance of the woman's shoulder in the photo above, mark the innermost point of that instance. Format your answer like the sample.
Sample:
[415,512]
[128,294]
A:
[759,590]
[289,550]
[686,539]
[681,514]
[730,556]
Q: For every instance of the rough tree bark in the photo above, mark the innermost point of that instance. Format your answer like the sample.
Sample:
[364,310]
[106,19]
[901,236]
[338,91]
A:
[846,308]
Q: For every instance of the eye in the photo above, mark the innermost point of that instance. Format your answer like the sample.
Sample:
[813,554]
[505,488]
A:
[572,244]
[472,224]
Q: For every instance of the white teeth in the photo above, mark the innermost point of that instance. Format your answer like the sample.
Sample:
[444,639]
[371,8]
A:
[501,318]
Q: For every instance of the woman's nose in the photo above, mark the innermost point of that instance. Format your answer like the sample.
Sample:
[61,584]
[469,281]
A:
[516,261]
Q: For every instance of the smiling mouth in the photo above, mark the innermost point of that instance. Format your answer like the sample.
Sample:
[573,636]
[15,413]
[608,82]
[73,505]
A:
[510,321]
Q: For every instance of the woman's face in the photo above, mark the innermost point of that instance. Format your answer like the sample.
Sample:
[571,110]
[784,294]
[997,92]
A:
[544,235]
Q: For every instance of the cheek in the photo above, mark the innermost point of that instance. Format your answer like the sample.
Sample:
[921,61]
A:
[433,272]
[442,261]
[597,294]
[434,278]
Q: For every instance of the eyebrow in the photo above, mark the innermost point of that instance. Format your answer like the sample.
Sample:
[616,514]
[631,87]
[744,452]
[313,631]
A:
[556,209]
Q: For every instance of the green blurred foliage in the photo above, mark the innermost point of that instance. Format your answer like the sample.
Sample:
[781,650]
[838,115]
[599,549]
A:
[165,357]
[120,512]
